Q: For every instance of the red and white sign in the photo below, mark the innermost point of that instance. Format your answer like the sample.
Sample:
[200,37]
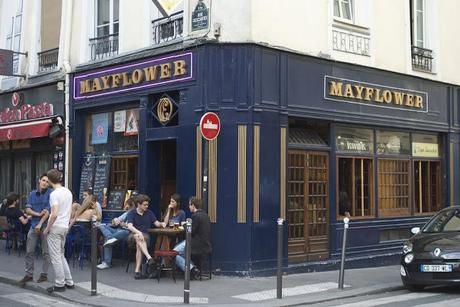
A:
[210,126]
[24,131]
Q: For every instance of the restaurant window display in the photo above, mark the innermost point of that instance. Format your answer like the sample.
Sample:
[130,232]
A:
[355,147]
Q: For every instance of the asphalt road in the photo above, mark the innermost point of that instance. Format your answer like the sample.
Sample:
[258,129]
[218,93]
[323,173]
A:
[430,297]
[11,296]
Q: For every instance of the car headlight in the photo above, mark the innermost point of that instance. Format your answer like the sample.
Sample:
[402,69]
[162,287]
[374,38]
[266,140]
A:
[407,248]
[408,259]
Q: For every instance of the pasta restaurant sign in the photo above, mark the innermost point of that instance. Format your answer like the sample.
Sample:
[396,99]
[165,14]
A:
[374,95]
[134,76]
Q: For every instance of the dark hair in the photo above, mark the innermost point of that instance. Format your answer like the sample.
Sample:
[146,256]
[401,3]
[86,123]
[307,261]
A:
[196,202]
[141,198]
[89,191]
[131,202]
[11,198]
[176,197]
[43,175]
[54,176]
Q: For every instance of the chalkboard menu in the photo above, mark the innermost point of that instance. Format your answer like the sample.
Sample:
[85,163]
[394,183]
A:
[116,200]
[101,177]
[87,173]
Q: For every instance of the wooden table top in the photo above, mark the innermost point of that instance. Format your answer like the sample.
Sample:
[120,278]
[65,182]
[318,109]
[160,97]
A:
[166,231]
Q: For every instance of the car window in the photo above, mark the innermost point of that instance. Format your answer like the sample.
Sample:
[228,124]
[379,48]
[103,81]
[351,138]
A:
[444,221]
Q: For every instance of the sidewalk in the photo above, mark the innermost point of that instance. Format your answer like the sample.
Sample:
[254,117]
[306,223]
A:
[117,288]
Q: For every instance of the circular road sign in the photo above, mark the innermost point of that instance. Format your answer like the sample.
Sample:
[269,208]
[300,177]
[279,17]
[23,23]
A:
[210,126]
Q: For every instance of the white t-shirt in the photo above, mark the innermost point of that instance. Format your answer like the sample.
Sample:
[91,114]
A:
[63,198]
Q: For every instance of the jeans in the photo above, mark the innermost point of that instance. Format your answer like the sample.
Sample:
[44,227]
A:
[109,232]
[180,260]
[56,241]
[32,240]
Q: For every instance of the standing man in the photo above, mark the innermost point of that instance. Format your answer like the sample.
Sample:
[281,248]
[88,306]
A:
[38,206]
[57,228]
[201,231]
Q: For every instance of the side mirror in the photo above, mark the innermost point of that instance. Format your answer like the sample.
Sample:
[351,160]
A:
[415,230]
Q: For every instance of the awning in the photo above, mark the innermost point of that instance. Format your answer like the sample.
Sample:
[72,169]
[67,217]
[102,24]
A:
[24,131]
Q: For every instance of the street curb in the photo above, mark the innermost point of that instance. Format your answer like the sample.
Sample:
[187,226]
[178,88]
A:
[13,280]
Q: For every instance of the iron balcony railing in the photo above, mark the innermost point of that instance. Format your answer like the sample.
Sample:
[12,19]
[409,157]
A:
[422,58]
[48,60]
[104,46]
[168,28]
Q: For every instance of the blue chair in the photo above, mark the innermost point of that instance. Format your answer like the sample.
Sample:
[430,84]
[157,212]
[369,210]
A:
[16,236]
[81,245]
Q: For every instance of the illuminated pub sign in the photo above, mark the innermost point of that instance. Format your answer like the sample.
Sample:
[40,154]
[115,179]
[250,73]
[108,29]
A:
[134,76]
[373,94]
[30,104]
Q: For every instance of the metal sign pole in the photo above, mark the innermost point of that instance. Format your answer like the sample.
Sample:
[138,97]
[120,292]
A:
[188,251]
[93,256]
[279,279]
[344,244]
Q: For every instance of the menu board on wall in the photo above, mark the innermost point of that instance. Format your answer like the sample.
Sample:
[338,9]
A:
[87,173]
[116,199]
[101,178]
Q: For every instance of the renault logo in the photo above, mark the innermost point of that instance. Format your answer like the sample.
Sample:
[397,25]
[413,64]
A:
[437,252]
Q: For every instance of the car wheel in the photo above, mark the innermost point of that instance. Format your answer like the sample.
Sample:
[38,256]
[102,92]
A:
[413,288]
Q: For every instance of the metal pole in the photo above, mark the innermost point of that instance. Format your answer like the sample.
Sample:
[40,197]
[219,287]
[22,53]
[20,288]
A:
[279,278]
[344,244]
[188,251]
[93,256]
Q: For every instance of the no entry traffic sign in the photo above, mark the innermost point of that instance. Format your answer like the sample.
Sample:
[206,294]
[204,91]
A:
[210,126]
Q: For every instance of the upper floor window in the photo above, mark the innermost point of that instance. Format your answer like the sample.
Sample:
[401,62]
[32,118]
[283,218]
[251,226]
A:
[13,36]
[107,17]
[422,55]
[344,9]
[418,23]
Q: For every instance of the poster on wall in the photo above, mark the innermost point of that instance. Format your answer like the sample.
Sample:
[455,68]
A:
[100,128]
[119,121]
[132,123]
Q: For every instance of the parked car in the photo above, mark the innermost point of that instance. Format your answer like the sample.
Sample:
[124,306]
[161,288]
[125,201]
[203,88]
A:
[432,255]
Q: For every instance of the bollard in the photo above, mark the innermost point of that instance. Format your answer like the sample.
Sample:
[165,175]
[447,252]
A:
[188,252]
[93,256]
[279,280]
[344,244]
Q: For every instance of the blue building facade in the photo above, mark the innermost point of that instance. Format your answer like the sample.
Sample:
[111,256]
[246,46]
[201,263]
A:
[302,138]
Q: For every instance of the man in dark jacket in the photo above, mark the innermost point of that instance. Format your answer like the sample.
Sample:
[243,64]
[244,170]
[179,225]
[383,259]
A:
[201,231]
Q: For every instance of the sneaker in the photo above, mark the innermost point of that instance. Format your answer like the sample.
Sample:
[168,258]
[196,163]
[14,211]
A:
[194,274]
[55,289]
[138,275]
[25,279]
[103,266]
[110,241]
[70,286]
[42,278]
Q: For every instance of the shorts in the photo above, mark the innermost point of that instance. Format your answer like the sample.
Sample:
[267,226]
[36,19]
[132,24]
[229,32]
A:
[132,240]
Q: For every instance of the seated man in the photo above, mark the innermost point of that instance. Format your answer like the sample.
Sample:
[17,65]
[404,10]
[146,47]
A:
[118,230]
[139,221]
[201,230]
[13,213]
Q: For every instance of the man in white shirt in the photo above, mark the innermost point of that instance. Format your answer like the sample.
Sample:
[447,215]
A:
[57,228]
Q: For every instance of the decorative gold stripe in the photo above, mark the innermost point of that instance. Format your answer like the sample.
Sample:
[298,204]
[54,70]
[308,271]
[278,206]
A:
[451,162]
[212,180]
[420,195]
[362,187]
[242,137]
[283,173]
[256,178]
[199,170]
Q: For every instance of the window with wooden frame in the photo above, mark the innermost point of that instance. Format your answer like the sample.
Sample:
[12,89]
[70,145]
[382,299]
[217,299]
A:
[355,187]
[394,189]
[124,173]
[427,186]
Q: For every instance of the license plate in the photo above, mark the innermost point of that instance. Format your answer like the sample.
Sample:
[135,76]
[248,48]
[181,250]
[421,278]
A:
[436,268]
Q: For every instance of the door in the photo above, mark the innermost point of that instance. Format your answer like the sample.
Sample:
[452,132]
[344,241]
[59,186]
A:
[168,173]
[308,206]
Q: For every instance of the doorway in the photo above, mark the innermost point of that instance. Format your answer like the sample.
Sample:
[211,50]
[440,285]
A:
[308,205]
[167,172]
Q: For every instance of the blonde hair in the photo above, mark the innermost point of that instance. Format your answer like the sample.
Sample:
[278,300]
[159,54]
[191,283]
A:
[88,203]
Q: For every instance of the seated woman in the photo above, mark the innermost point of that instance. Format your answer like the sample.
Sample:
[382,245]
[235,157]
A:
[174,215]
[14,214]
[83,214]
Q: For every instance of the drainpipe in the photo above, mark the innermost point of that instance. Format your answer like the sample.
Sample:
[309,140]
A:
[67,69]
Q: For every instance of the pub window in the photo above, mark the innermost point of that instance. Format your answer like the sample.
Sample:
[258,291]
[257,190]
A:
[393,187]
[344,9]
[355,187]
[354,140]
[124,173]
[391,142]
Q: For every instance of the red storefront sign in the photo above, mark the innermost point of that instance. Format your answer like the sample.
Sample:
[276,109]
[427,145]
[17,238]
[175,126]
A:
[210,126]
[23,131]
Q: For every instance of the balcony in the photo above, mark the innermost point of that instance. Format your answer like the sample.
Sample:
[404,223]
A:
[104,46]
[422,59]
[168,29]
[48,60]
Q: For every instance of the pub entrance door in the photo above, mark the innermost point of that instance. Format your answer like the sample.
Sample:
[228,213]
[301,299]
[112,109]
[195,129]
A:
[167,172]
[308,205]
